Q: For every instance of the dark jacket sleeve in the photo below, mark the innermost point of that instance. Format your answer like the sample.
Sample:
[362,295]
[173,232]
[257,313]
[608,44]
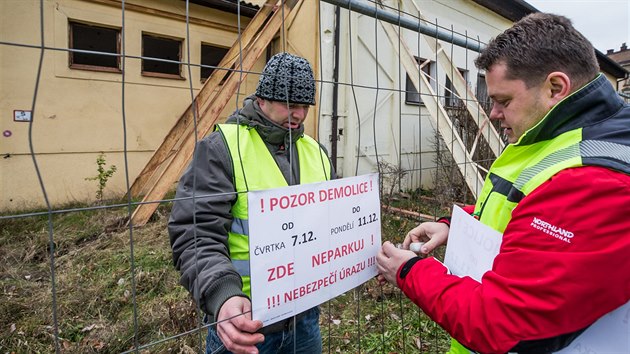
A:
[199,223]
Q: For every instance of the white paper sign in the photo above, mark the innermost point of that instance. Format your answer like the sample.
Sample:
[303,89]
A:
[470,251]
[309,243]
[471,246]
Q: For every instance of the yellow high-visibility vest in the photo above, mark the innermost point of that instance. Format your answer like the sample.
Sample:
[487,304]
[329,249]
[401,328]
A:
[520,169]
[254,168]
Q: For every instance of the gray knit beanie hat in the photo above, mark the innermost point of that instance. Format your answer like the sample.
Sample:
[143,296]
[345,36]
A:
[287,77]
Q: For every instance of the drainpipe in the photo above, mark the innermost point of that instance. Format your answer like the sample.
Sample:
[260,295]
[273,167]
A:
[408,23]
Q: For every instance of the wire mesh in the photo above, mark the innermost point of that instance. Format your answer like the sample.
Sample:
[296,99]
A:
[77,276]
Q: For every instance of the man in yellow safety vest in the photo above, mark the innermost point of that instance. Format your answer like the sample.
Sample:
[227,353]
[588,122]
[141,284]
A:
[559,193]
[261,146]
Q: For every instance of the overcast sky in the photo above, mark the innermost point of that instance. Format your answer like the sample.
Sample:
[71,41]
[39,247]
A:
[606,23]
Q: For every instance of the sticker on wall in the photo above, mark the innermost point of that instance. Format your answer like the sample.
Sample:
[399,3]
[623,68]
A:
[21,116]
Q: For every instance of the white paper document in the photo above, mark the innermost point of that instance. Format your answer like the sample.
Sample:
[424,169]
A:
[471,249]
[471,246]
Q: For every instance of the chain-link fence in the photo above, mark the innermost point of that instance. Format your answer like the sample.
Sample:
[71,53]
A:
[93,88]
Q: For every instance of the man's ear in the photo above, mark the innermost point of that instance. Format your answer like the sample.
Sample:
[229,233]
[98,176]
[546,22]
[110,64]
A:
[559,85]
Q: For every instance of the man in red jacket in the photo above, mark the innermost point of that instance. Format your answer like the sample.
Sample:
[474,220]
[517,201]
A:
[559,193]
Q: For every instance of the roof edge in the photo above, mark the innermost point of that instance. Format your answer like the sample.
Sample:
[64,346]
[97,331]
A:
[514,10]
[232,6]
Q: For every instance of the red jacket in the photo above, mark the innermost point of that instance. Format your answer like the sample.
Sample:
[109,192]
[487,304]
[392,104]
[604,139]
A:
[548,287]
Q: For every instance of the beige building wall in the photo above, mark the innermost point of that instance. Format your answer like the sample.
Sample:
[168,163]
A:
[80,114]
[301,37]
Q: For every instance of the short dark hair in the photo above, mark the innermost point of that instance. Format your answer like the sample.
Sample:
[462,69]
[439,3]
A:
[539,44]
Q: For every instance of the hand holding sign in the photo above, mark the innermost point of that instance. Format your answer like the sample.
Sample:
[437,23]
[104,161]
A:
[310,243]
[235,326]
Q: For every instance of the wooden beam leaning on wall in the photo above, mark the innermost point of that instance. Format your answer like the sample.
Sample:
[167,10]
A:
[486,129]
[444,125]
[184,125]
[208,116]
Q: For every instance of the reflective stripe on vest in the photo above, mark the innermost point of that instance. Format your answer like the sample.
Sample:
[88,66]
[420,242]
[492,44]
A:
[240,226]
[254,168]
[519,170]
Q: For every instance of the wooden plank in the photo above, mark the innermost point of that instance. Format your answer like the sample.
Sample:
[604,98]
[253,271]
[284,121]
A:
[184,125]
[409,213]
[183,155]
[436,111]
[485,129]
[470,100]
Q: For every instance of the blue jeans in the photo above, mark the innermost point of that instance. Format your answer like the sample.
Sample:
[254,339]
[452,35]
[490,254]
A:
[305,340]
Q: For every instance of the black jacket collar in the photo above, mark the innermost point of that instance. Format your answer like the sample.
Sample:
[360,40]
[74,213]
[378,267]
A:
[593,103]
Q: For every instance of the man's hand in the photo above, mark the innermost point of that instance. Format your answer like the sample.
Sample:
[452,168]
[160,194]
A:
[434,234]
[389,259]
[236,328]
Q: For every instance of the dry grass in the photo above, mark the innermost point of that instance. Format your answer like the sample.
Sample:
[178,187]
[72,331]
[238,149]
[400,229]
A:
[95,299]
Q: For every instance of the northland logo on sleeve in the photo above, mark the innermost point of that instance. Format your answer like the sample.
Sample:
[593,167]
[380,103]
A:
[552,230]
